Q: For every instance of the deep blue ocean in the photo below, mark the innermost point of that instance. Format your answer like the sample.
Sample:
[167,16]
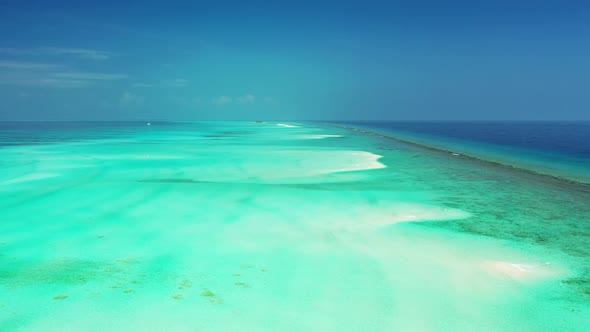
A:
[555,148]
[571,138]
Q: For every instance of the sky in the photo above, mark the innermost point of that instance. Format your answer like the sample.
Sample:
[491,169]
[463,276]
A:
[297,60]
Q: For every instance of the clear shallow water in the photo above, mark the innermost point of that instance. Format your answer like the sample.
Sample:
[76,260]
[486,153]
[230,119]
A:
[243,226]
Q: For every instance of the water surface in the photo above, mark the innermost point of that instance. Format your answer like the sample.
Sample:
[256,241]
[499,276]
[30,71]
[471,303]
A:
[278,226]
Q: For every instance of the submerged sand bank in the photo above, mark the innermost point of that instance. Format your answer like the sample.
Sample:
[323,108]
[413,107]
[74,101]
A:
[253,228]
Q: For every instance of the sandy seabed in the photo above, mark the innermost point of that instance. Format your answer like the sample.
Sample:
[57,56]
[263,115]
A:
[257,227]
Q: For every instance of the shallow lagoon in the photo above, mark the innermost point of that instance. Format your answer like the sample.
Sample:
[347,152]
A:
[279,226]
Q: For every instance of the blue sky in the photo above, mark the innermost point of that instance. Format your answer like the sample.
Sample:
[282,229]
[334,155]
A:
[195,60]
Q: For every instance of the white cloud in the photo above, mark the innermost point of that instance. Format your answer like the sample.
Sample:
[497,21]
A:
[20,73]
[177,83]
[143,85]
[60,83]
[80,52]
[90,76]
[172,83]
[131,99]
[18,65]
[57,51]
[36,80]
[222,100]
[246,99]
[268,100]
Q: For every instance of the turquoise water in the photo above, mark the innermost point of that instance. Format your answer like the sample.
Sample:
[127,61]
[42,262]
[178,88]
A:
[227,226]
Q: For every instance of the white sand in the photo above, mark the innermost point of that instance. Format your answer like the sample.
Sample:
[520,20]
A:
[357,161]
[320,136]
[521,271]
[31,177]
[277,166]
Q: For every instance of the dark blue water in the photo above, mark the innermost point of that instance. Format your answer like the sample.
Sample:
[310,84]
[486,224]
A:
[557,148]
[570,138]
